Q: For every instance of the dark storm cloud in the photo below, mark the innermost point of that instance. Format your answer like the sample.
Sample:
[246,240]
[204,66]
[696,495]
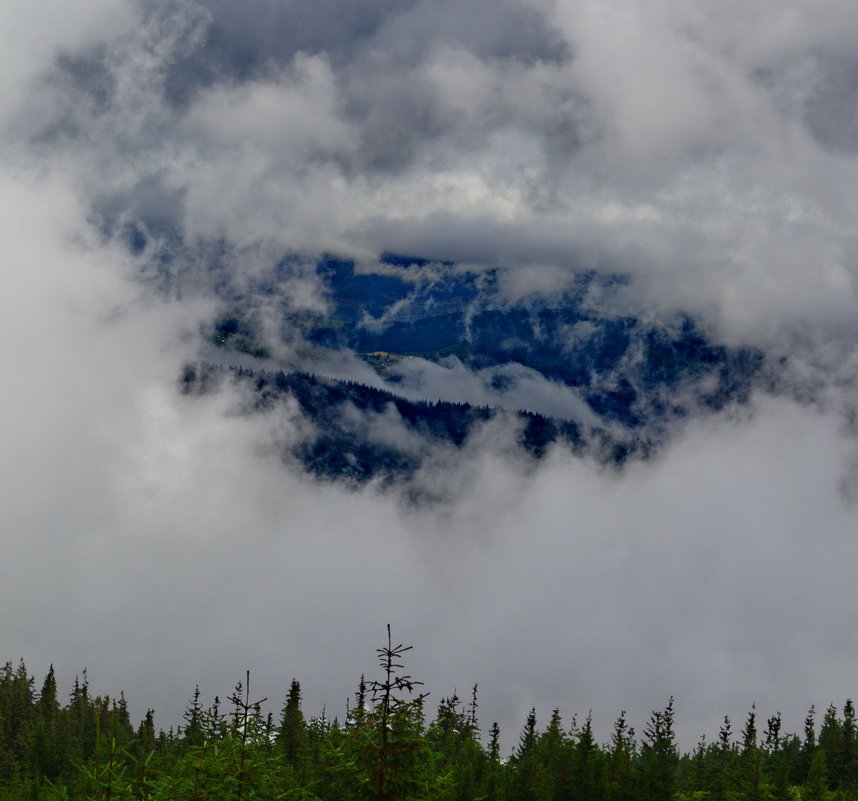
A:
[377,50]
[704,149]
[710,164]
[383,88]
[248,41]
[831,109]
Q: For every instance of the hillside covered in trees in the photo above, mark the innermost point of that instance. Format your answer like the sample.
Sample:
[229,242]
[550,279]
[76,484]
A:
[628,371]
[350,428]
[392,744]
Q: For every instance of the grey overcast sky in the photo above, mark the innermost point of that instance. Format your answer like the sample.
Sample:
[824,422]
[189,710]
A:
[708,150]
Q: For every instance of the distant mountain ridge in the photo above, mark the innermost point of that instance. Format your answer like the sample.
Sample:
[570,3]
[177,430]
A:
[628,372]
[620,384]
[344,446]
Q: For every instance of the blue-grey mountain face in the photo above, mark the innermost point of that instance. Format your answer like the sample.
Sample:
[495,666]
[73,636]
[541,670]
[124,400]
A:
[635,378]
[618,363]
[343,446]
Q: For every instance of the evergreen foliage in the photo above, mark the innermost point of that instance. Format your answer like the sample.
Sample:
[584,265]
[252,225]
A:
[385,750]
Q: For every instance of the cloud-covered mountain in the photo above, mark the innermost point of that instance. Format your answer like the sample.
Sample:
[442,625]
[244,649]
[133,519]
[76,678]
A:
[608,386]
[623,224]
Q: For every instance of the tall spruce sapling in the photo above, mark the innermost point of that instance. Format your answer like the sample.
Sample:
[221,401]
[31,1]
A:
[193,731]
[395,712]
[247,722]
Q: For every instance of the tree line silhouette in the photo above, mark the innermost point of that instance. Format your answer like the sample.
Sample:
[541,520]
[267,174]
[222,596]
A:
[387,747]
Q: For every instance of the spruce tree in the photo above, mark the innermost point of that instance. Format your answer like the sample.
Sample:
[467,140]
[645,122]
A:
[491,785]
[193,731]
[656,777]
[383,754]
[248,733]
[588,780]
[620,758]
[525,779]
[830,741]
[396,725]
[750,771]
[48,741]
[291,733]
[144,752]
[801,767]
[848,750]
[777,759]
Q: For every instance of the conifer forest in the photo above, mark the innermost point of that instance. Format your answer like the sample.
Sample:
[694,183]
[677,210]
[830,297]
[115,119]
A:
[392,743]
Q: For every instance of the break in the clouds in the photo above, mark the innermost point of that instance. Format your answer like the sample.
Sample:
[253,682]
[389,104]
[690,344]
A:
[158,156]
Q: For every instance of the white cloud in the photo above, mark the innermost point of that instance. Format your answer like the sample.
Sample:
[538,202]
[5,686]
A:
[158,539]
[34,34]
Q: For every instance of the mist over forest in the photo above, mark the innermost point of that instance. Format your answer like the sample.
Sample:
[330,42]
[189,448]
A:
[525,326]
